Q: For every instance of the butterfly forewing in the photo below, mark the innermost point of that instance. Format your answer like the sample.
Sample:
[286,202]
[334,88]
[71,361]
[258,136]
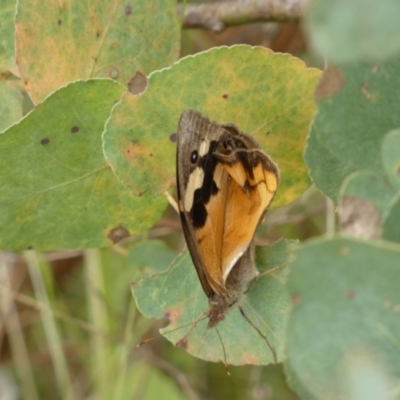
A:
[199,196]
[225,185]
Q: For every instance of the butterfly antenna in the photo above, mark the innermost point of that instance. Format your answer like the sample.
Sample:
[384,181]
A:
[181,342]
[147,340]
[272,270]
[172,330]
[223,349]
[261,334]
[267,272]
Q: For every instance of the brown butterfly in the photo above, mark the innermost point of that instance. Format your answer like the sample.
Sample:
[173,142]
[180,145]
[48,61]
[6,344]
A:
[225,186]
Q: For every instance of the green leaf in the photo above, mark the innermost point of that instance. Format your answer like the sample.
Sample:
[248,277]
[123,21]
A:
[177,294]
[345,315]
[296,384]
[267,95]
[326,170]
[57,191]
[368,186]
[390,223]
[149,256]
[391,157]
[57,43]
[11,98]
[355,30]
[7,58]
[351,124]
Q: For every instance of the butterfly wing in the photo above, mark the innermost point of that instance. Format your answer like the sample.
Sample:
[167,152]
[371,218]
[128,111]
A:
[254,181]
[200,197]
[225,185]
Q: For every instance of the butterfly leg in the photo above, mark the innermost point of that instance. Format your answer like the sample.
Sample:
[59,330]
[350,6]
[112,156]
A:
[272,270]
[172,201]
[273,352]
[267,272]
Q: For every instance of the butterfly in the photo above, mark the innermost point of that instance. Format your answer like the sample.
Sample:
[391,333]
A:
[225,184]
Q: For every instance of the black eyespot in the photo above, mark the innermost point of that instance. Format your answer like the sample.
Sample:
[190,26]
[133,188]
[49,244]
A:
[193,157]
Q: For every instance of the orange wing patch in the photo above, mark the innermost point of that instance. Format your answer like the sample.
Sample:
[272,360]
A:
[233,216]
[210,237]
[248,198]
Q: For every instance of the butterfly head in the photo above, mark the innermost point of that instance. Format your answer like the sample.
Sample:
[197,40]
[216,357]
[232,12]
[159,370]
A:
[217,307]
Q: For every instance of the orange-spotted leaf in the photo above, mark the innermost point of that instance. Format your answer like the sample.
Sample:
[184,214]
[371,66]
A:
[267,95]
[60,42]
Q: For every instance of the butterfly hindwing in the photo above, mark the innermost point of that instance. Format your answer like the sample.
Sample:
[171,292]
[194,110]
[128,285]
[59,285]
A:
[254,181]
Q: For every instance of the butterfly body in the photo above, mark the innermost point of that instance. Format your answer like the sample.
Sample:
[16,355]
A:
[225,185]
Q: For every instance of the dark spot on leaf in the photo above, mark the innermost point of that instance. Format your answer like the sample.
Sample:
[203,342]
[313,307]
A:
[30,247]
[59,22]
[182,343]
[44,141]
[296,299]
[97,34]
[173,137]
[173,314]
[114,73]
[74,129]
[118,233]
[138,83]
[330,83]
[349,294]
[151,154]
[128,10]
[225,96]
